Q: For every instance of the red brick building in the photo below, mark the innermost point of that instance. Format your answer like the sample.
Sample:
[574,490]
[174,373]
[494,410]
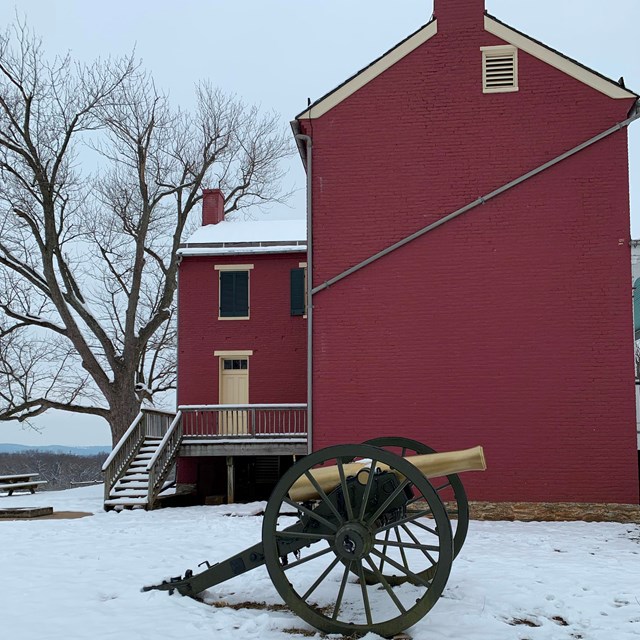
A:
[241,342]
[468,271]
[508,325]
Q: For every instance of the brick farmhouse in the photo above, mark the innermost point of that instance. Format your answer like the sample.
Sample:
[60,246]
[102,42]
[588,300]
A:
[454,295]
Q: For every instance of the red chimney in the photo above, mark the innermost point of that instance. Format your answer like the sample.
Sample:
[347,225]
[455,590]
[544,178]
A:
[212,206]
[458,14]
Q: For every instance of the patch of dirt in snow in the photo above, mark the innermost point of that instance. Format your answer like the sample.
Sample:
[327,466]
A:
[221,604]
[56,515]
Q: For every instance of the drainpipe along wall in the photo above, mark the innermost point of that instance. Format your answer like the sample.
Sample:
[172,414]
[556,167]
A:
[308,163]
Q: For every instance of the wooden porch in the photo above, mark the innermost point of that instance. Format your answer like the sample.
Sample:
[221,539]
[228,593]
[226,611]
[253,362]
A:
[138,468]
[251,429]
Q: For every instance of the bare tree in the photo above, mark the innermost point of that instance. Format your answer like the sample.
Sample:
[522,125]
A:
[88,259]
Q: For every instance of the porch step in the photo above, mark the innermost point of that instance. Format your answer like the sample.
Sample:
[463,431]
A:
[129,493]
[121,486]
[133,477]
[125,502]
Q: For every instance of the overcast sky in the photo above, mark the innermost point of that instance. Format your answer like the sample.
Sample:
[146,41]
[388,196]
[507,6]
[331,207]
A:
[278,53]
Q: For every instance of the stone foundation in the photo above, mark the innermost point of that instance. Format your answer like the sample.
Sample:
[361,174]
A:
[554,511]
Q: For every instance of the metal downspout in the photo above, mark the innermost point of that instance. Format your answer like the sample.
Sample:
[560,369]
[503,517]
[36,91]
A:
[309,281]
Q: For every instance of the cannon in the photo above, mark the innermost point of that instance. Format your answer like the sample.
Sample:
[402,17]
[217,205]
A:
[356,538]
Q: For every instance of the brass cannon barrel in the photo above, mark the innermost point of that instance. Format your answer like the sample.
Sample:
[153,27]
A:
[432,465]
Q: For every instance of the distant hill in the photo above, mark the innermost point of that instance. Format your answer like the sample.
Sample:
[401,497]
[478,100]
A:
[55,448]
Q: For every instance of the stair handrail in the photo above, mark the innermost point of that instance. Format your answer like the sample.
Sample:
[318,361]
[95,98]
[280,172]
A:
[160,463]
[122,453]
[122,441]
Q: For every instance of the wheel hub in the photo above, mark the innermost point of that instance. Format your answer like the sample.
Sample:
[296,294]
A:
[353,541]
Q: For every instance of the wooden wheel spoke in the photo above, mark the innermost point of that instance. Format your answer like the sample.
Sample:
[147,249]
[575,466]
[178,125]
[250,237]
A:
[343,584]
[311,514]
[365,595]
[321,578]
[409,518]
[345,490]
[383,507]
[323,495]
[401,546]
[367,490]
[444,486]
[416,578]
[420,525]
[422,547]
[313,556]
[383,581]
[304,534]
[384,547]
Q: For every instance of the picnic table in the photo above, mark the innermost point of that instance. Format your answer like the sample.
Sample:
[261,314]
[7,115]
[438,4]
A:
[20,482]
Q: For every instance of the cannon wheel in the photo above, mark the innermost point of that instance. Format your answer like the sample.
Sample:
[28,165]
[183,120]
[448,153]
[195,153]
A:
[448,487]
[320,588]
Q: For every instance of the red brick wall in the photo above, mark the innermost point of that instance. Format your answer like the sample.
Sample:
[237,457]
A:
[277,368]
[509,327]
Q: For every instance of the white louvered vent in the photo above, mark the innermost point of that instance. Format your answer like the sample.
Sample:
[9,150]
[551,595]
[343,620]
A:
[499,69]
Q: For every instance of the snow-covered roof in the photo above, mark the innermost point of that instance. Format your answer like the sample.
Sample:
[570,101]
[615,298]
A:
[247,236]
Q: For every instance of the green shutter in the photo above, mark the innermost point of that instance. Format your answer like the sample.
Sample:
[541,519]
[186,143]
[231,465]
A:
[234,294]
[242,293]
[297,292]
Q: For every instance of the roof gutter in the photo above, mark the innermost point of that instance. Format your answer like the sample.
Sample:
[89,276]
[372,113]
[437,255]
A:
[633,115]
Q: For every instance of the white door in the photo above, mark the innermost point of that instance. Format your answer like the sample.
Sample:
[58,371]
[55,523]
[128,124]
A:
[234,389]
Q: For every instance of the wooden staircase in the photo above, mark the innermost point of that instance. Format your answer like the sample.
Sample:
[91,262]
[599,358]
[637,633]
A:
[132,489]
[136,470]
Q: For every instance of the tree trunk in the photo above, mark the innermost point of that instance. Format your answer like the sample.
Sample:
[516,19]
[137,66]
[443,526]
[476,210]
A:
[124,408]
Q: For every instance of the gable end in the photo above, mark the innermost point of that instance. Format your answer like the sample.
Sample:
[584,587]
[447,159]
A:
[561,62]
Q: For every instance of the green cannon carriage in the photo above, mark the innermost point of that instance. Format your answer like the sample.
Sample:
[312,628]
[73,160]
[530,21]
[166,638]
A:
[356,538]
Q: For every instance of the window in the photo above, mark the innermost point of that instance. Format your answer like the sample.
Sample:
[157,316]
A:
[234,291]
[237,364]
[299,291]
[499,69]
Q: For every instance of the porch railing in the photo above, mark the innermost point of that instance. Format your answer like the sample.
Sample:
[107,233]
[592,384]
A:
[277,421]
[164,458]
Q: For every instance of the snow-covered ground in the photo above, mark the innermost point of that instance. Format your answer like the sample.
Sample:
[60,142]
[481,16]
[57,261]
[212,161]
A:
[81,579]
